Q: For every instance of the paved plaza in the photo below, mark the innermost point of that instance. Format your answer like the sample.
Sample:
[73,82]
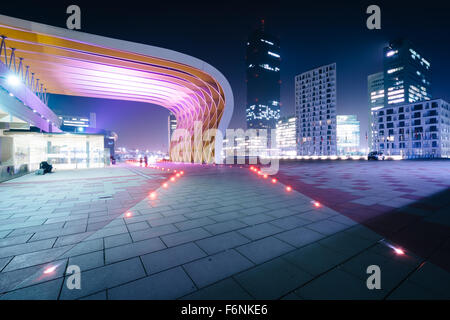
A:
[221,232]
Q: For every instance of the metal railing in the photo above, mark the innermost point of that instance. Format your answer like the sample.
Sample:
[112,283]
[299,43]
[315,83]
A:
[21,70]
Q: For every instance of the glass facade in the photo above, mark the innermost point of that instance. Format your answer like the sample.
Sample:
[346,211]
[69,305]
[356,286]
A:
[287,136]
[171,125]
[63,151]
[347,134]
[263,80]
[375,84]
[407,74]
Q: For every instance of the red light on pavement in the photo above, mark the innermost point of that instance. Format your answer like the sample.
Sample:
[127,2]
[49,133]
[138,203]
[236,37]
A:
[316,204]
[152,195]
[274,180]
[50,270]
[128,214]
[165,185]
[288,188]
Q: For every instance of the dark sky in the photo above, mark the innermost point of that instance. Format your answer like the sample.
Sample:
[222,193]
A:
[311,35]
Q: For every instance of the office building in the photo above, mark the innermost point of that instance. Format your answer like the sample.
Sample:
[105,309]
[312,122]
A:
[172,125]
[287,136]
[70,123]
[407,74]
[315,109]
[263,80]
[375,85]
[415,130]
[348,135]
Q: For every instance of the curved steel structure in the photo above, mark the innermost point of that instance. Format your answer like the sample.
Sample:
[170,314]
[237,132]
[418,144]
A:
[74,63]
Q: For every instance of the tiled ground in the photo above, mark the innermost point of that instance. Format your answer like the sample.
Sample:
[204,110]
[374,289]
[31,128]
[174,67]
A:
[405,201]
[215,233]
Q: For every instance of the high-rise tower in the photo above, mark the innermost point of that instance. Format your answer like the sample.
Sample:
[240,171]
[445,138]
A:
[263,80]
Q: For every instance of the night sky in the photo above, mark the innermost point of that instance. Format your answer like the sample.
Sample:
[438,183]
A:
[311,35]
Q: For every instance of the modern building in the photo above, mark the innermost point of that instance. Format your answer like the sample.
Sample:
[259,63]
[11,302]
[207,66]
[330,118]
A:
[71,123]
[63,150]
[407,74]
[263,80]
[348,134]
[414,130]
[315,109]
[171,126]
[287,136]
[375,85]
[80,64]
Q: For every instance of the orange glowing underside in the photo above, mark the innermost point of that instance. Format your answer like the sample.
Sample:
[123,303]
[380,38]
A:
[72,67]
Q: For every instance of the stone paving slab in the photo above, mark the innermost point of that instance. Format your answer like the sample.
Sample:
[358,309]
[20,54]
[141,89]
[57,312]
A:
[215,233]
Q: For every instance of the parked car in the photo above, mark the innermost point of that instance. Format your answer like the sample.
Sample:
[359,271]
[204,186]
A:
[375,155]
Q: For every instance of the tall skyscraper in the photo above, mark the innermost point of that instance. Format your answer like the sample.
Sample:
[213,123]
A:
[407,74]
[263,80]
[172,125]
[375,85]
[315,109]
[347,134]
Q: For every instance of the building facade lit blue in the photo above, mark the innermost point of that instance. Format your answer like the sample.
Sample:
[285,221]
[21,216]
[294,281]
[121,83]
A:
[407,74]
[263,80]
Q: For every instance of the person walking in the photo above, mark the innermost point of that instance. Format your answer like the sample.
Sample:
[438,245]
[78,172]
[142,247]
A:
[146,161]
[140,161]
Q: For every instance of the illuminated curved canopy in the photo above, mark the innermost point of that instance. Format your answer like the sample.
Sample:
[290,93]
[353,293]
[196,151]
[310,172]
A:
[74,63]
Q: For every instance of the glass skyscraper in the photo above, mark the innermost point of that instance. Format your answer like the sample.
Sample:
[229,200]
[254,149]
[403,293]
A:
[375,85]
[263,80]
[172,125]
[407,74]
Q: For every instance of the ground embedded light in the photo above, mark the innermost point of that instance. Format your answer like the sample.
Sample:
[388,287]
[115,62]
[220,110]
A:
[50,270]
